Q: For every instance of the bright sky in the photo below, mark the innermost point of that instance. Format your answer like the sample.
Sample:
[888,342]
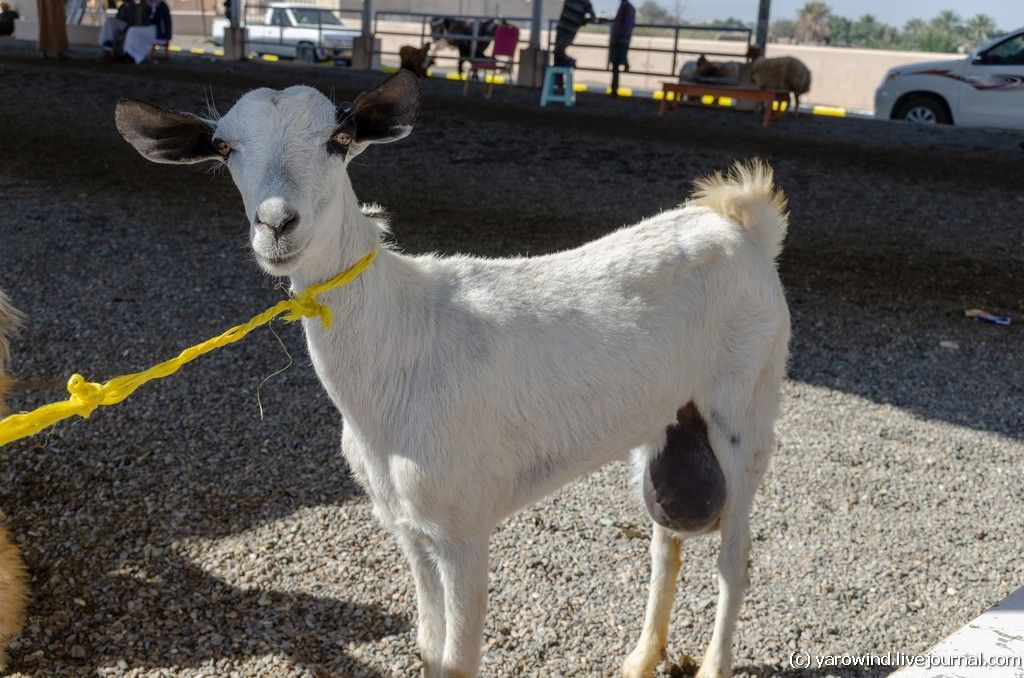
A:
[1009,14]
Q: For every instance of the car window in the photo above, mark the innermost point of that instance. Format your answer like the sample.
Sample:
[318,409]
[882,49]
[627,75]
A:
[277,17]
[1008,52]
[314,17]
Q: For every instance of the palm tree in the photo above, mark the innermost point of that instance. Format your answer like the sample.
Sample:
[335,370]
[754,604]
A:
[947,18]
[947,22]
[980,28]
[812,22]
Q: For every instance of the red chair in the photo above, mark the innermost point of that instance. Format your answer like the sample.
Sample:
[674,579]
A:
[502,58]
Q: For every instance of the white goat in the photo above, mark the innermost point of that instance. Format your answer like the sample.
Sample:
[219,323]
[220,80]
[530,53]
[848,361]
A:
[470,387]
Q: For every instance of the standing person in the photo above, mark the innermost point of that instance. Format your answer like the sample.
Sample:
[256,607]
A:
[7,17]
[53,35]
[618,44]
[160,17]
[575,13]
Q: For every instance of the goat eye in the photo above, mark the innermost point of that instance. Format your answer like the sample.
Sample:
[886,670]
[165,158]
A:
[222,147]
[339,142]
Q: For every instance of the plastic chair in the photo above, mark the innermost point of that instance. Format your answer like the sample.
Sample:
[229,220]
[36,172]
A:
[502,58]
[547,92]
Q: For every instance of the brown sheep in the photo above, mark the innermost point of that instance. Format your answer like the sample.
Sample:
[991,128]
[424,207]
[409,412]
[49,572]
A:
[785,73]
[416,59]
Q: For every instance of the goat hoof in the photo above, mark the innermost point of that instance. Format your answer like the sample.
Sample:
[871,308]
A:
[712,669]
[641,664]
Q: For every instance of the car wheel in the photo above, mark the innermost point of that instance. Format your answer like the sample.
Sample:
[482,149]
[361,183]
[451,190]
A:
[924,110]
[306,54]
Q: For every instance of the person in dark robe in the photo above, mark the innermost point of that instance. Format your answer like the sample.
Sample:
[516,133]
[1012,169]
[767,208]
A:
[7,17]
[575,13]
[618,43]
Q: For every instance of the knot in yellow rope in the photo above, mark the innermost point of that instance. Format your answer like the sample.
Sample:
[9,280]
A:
[305,305]
[86,394]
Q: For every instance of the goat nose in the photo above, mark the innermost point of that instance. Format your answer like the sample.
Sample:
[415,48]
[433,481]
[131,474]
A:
[276,215]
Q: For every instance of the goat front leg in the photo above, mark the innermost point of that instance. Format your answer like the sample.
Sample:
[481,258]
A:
[665,563]
[463,568]
[732,585]
[429,603]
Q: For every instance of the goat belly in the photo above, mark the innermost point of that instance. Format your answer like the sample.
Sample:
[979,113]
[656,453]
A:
[683,485]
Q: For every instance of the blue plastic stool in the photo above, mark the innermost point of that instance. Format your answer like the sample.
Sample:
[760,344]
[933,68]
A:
[547,93]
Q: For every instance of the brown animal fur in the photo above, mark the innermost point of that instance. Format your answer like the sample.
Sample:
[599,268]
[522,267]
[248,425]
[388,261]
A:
[13,592]
[786,73]
[10,320]
[416,59]
[727,70]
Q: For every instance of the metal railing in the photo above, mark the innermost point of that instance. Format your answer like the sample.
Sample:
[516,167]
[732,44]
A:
[424,31]
[677,32]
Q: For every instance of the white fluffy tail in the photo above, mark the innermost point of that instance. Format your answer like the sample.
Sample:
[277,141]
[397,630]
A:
[10,320]
[747,195]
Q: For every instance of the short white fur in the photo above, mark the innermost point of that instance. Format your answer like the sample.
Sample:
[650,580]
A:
[470,387]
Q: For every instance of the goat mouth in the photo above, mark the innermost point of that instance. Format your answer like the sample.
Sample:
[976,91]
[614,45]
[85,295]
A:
[280,260]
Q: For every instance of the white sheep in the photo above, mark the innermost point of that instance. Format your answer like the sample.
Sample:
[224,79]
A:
[470,387]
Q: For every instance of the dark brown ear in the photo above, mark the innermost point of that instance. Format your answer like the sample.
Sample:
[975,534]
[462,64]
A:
[382,114]
[161,135]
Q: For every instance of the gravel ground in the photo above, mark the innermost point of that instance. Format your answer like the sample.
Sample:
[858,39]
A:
[182,534]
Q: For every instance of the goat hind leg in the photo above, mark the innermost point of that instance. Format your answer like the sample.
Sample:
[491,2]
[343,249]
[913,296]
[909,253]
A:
[732,585]
[750,452]
[665,563]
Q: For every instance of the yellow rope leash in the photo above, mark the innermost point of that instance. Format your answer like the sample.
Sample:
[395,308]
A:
[86,396]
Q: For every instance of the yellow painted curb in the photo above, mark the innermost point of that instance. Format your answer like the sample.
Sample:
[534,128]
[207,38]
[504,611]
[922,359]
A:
[218,52]
[579,87]
[197,50]
[173,48]
[832,111]
[622,91]
[271,57]
[455,76]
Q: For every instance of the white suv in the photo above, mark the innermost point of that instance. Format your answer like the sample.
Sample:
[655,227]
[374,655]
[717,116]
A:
[984,90]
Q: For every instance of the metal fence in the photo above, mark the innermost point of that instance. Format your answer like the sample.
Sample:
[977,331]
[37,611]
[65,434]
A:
[677,32]
[384,27]
[663,47]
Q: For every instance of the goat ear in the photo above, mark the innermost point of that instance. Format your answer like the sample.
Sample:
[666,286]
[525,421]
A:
[382,114]
[161,135]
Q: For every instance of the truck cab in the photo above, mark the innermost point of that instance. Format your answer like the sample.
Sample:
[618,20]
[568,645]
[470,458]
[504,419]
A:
[984,90]
[304,32]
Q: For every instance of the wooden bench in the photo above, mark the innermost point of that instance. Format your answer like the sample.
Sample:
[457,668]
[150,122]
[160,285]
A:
[672,92]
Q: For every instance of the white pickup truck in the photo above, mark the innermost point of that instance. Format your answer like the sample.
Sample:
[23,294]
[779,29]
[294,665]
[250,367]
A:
[299,31]
[984,90]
